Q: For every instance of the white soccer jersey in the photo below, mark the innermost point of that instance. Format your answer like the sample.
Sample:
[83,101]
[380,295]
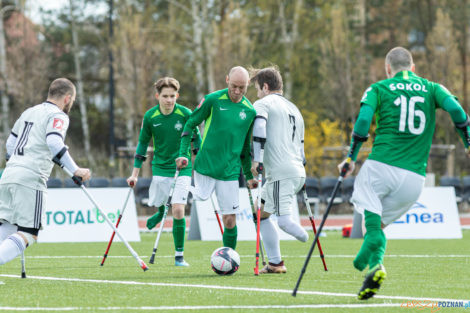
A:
[284,137]
[31,161]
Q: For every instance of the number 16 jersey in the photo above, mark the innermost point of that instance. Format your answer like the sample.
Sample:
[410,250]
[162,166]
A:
[405,114]
[284,137]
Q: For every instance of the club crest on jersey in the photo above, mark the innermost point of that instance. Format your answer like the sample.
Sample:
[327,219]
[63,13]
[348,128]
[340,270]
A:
[178,126]
[58,124]
[242,115]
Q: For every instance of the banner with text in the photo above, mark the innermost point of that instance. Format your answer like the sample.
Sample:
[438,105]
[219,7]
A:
[70,216]
[204,224]
[433,216]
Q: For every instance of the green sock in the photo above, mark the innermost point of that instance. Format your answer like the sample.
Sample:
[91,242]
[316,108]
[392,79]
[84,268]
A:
[230,237]
[156,218]
[179,230]
[373,247]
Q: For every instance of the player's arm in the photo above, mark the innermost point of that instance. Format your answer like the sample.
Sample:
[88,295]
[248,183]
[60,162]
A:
[196,140]
[302,149]
[141,150]
[201,113]
[459,117]
[10,145]
[245,156]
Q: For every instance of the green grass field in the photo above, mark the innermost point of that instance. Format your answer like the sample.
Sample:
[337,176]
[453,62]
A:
[67,277]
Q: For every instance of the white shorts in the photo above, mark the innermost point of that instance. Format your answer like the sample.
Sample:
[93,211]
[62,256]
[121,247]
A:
[386,190]
[225,191]
[160,190]
[280,195]
[21,205]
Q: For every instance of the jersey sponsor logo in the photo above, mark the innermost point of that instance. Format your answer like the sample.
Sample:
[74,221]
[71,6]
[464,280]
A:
[407,87]
[156,125]
[178,126]
[58,124]
[200,103]
[243,115]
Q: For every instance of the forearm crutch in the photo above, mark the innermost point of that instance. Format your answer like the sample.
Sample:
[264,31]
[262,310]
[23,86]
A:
[79,182]
[310,216]
[259,169]
[217,216]
[255,223]
[117,224]
[167,207]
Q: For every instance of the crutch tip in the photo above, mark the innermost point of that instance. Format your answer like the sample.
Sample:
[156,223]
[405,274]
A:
[23,275]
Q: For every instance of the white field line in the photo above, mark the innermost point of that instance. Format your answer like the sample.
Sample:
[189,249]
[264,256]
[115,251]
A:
[251,256]
[208,307]
[216,287]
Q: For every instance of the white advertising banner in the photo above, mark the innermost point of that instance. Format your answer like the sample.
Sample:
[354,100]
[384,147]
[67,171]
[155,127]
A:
[433,216]
[69,215]
[204,225]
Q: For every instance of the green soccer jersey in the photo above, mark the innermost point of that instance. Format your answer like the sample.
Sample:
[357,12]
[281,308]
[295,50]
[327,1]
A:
[166,132]
[405,107]
[226,142]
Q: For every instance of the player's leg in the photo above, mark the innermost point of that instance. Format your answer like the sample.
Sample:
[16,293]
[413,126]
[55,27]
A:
[269,232]
[227,197]
[179,199]
[285,194]
[158,193]
[6,229]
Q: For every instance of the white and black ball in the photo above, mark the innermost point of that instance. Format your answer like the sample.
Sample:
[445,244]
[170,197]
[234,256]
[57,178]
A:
[225,261]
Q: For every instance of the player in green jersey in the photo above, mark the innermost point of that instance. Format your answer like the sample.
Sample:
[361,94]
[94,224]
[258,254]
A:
[391,179]
[228,117]
[164,123]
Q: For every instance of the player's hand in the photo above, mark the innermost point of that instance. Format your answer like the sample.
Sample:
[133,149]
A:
[83,173]
[350,169]
[132,181]
[254,166]
[252,183]
[181,162]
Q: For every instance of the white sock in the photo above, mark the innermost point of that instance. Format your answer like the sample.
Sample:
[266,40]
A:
[271,241]
[6,229]
[11,247]
[286,223]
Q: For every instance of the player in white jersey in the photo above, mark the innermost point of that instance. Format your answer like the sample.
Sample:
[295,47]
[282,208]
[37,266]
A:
[280,125]
[35,140]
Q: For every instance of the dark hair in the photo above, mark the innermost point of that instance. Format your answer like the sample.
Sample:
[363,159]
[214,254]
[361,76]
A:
[167,82]
[60,87]
[269,75]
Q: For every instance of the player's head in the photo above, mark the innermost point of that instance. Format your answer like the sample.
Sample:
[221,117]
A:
[237,82]
[62,92]
[267,80]
[166,93]
[398,59]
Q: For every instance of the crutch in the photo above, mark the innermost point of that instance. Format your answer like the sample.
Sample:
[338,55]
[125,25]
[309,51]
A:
[23,268]
[344,170]
[254,221]
[259,169]
[310,216]
[167,206]
[79,182]
[217,215]
[117,224]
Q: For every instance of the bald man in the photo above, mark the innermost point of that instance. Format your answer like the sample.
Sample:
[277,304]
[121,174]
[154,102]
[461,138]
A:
[225,147]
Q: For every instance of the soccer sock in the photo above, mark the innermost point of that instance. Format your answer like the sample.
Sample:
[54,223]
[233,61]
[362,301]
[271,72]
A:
[6,229]
[230,237]
[179,230]
[156,218]
[270,240]
[11,247]
[373,247]
[286,223]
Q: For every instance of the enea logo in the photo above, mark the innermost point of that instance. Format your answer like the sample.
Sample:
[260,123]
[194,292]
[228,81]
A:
[420,217]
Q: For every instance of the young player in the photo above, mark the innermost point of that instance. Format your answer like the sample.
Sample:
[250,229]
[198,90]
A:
[391,179]
[278,124]
[228,117]
[35,140]
[164,123]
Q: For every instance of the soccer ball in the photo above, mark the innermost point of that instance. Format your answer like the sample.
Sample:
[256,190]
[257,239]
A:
[225,261]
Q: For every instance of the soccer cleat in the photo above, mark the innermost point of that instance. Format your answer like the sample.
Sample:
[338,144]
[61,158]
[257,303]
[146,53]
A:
[273,268]
[154,220]
[179,261]
[372,282]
